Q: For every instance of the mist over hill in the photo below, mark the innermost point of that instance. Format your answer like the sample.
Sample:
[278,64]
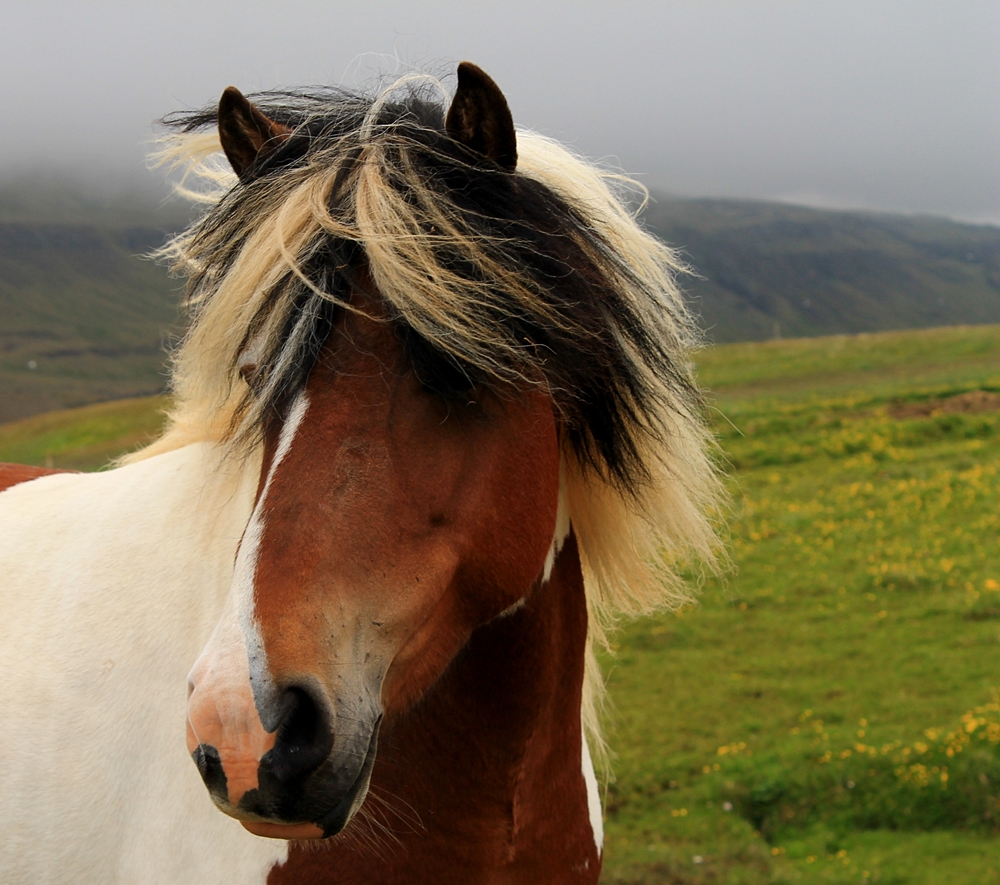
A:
[85,317]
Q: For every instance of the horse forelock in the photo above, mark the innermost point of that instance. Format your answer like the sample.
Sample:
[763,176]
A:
[540,277]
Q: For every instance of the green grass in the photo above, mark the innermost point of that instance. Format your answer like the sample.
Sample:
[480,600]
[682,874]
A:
[796,725]
[869,366]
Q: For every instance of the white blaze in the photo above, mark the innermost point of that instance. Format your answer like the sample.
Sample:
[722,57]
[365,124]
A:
[240,604]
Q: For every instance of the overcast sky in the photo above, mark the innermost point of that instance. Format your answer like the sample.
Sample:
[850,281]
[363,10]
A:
[885,105]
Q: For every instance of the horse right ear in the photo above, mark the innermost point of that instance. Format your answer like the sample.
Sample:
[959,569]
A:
[246,134]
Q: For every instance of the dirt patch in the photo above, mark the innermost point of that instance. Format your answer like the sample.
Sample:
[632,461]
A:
[971,403]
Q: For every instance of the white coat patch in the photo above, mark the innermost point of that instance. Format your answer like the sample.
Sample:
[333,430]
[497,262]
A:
[562,526]
[111,584]
[593,797]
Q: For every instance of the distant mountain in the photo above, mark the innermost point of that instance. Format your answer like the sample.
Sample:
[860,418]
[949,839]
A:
[84,317]
[767,269]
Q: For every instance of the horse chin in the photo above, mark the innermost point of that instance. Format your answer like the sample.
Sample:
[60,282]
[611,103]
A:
[298,832]
[331,822]
[328,825]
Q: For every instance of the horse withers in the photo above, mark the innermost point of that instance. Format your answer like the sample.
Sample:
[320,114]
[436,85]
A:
[434,426]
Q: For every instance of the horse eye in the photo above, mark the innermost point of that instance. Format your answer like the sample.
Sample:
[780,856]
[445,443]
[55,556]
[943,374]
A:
[447,379]
[438,372]
[248,372]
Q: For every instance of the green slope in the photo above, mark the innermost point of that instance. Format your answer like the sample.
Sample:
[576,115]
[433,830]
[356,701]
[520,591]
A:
[85,438]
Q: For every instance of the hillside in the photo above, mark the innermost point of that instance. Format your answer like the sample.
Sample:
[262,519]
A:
[84,438]
[83,317]
[766,270]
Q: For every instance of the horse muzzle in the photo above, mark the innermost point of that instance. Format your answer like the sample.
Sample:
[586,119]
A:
[303,779]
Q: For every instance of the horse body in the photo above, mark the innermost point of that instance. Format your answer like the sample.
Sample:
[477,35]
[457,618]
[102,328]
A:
[434,428]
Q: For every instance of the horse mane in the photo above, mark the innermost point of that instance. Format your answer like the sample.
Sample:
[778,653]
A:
[538,277]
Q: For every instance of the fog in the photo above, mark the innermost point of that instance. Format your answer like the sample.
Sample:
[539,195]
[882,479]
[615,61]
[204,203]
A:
[881,105]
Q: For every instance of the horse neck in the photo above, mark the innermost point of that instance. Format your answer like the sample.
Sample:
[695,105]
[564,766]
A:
[482,781]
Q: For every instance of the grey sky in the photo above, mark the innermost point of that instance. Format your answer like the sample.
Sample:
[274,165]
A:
[892,105]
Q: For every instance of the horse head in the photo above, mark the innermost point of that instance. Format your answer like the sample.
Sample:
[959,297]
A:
[394,515]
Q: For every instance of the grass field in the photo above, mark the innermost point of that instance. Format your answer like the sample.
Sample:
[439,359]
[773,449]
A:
[828,713]
[86,438]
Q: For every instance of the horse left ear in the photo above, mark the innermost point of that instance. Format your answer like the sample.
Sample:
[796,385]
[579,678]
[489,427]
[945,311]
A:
[246,134]
[480,119]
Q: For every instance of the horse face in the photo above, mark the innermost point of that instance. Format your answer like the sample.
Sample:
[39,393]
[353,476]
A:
[389,524]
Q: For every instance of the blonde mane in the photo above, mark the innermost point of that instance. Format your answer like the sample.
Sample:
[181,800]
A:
[643,499]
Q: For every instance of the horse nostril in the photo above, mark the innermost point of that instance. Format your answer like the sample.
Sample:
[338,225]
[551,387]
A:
[303,741]
[210,766]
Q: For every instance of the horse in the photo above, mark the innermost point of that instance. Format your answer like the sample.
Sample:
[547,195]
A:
[434,429]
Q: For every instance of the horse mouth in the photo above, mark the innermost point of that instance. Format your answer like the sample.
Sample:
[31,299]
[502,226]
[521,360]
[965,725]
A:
[331,821]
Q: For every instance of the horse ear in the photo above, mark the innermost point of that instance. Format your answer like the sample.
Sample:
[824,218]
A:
[480,119]
[246,134]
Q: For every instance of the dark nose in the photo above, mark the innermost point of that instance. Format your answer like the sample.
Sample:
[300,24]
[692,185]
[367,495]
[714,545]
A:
[303,741]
